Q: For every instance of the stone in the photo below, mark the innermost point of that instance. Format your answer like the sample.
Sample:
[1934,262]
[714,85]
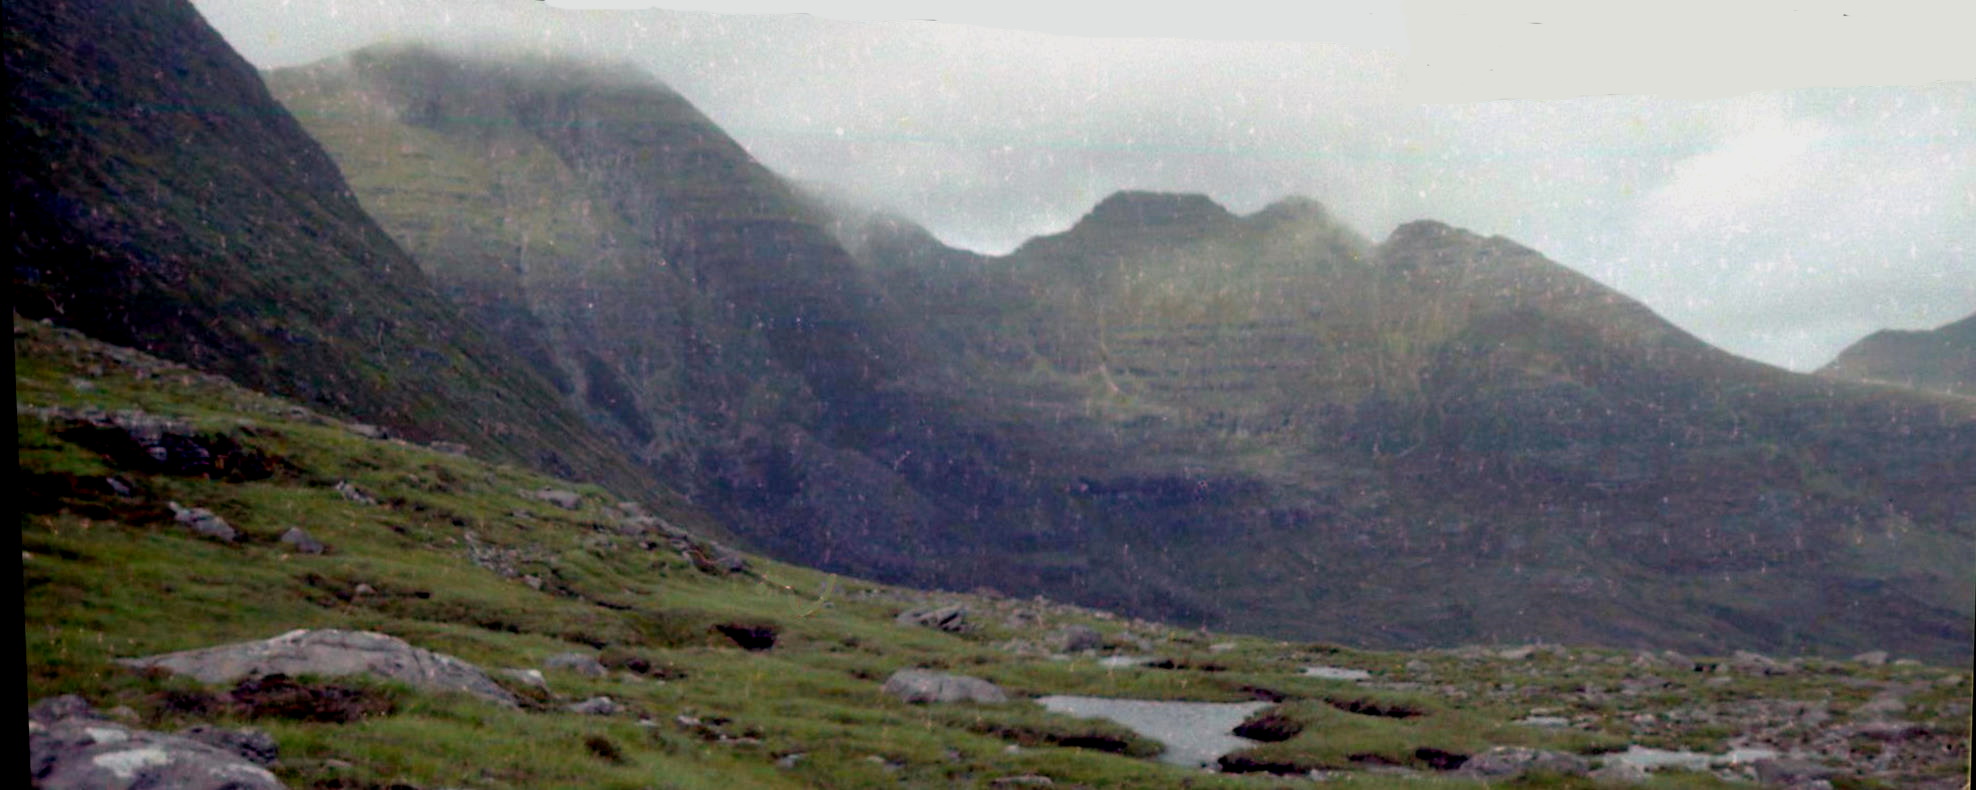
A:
[951,618]
[449,448]
[354,494]
[1550,722]
[330,653]
[595,706]
[567,500]
[70,749]
[1748,663]
[203,522]
[580,663]
[257,746]
[1785,771]
[1076,639]
[920,685]
[366,431]
[1500,761]
[1024,780]
[1621,773]
[1872,658]
[531,678]
[302,541]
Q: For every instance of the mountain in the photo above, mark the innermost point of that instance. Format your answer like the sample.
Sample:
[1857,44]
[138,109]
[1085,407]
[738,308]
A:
[1260,422]
[613,652]
[164,200]
[1942,359]
[1268,424]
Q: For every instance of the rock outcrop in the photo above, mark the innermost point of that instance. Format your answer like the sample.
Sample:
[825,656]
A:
[330,653]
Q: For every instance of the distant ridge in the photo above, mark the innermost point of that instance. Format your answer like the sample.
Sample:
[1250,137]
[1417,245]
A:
[1942,359]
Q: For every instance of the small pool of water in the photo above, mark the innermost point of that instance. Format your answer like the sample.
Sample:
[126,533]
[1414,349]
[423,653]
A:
[1194,733]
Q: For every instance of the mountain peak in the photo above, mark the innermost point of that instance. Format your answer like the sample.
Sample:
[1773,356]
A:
[1137,209]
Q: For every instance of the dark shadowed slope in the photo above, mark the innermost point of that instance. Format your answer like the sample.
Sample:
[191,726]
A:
[1441,437]
[162,199]
[1942,359]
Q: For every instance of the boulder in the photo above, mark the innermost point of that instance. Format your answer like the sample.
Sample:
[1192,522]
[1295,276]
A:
[203,522]
[951,618]
[920,685]
[69,748]
[302,541]
[1501,761]
[257,746]
[330,653]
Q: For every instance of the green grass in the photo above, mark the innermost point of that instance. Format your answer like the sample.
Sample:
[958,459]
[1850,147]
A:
[447,549]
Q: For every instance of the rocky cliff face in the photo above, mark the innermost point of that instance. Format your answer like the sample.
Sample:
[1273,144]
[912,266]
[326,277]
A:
[1942,359]
[163,199]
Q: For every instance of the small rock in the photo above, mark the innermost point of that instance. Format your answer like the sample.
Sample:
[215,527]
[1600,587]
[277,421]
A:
[1621,773]
[919,685]
[253,744]
[354,494]
[1222,647]
[53,709]
[1553,722]
[1024,780]
[595,706]
[1871,658]
[119,486]
[302,541]
[1076,639]
[203,522]
[1513,760]
[789,760]
[579,663]
[363,589]
[567,500]
[951,618]
[449,448]
[527,677]
[366,431]
[1789,772]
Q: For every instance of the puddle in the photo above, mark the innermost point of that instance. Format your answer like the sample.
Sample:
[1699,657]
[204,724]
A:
[1337,673]
[1651,759]
[1195,733]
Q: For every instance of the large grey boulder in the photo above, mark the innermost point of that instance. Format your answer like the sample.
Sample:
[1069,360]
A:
[330,653]
[921,685]
[69,748]
[952,619]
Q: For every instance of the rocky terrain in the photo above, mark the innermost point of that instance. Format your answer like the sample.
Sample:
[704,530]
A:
[379,613]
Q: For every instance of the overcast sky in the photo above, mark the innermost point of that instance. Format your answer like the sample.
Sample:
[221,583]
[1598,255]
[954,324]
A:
[1778,178]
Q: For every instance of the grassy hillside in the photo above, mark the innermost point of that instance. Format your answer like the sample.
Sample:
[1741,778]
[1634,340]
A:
[452,554]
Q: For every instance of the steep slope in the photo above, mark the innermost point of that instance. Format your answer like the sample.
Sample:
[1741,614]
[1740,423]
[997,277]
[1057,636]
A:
[163,199]
[1446,437]
[1942,359]
[681,294]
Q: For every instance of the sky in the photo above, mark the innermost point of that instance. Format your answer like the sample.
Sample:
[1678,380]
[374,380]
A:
[1778,178]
